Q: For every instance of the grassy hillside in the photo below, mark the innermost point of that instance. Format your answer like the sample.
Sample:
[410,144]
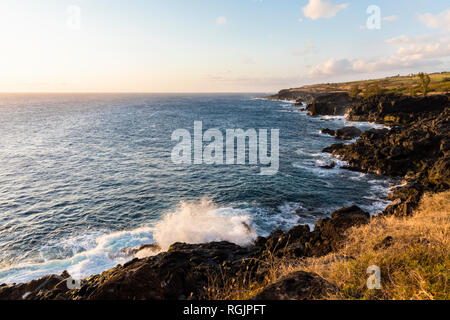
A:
[413,254]
[440,83]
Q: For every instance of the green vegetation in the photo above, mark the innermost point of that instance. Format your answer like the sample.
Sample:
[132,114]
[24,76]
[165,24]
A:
[354,91]
[424,82]
[414,265]
[439,84]
[372,90]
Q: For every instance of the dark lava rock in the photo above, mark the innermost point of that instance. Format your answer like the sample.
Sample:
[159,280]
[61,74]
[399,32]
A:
[439,173]
[328,131]
[329,166]
[412,148]
[417,147]
[396,108]
[348,133]
[186,270]
[330,104]
[331,231]
[333,148]
[384,244]
[298,285]
[47,287]
[135,282]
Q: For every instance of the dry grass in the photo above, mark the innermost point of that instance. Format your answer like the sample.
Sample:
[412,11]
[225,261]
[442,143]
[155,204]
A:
[243,285]
[401,84]
[415,266]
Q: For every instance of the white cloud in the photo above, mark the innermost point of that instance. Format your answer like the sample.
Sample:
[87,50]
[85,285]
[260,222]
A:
[436,21]
[412,52]
[317,9]
[334,67]
[418,39]
[391,18]
[331,67]
[429,51]
[220,21]
[428,46]
[403,40]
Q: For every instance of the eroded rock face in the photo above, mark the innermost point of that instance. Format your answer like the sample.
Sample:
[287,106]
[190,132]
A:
[328,131]
[439,173]
[396,109]
[330,104]
[347,133]
[326,237]
[297,286]
[416,148]
[413,149]
[134,282]
[330,232]
[186,270]
[47,287]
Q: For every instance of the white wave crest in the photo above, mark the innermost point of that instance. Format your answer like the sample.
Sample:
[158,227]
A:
[200,222]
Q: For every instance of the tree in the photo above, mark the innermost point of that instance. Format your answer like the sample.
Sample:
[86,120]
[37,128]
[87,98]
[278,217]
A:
[354,91]
[424,82]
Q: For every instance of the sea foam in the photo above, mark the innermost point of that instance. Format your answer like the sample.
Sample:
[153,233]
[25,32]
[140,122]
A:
[200,222]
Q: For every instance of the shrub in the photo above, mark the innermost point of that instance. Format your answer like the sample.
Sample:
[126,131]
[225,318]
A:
[424,82]
[372,90]
[354,91]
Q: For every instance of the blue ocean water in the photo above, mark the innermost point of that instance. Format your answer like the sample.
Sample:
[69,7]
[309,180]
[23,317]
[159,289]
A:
[83,176]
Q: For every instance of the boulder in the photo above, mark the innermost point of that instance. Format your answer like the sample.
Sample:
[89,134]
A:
[329,166]
[47,287]
[328,131]
[347,133]
[384,244]
[136,282]
[298,285]
[439,173]
[329,233]
[336,103]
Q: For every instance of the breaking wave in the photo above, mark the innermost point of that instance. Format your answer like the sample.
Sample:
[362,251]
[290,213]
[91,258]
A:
[203,222]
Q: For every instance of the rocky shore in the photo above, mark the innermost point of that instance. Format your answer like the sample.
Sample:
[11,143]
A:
[415,148]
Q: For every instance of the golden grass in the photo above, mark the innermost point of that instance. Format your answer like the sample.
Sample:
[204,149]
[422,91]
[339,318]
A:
[401,84]
[415,266]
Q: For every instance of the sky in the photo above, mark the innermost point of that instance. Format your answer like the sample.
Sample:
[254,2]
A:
[215,45]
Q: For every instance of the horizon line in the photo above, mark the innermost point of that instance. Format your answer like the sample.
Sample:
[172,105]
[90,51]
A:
[135,92]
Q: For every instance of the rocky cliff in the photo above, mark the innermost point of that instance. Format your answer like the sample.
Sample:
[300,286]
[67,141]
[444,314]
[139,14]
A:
[416,148]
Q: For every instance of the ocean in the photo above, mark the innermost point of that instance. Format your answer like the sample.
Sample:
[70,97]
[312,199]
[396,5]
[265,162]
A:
[85,176]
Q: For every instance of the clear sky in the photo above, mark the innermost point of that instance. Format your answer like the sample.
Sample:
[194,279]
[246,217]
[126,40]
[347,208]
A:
[214,45]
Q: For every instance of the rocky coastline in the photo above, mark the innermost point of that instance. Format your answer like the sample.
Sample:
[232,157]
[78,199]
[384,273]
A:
[415,148]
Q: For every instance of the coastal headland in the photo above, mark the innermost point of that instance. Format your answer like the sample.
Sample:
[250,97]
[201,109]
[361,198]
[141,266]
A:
[414,148]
